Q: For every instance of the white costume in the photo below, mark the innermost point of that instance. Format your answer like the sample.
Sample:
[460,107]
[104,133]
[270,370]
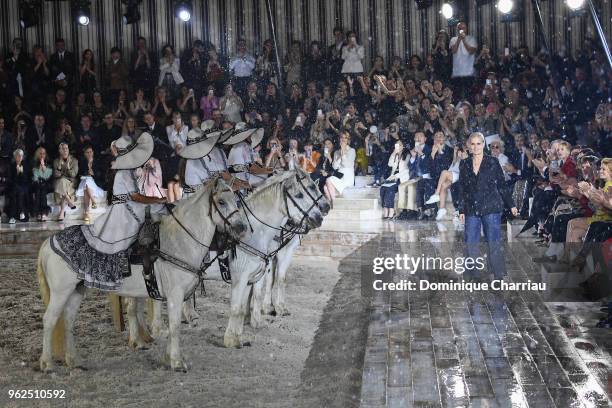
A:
[118,227]
[239,160]
[199,171]
[345,164]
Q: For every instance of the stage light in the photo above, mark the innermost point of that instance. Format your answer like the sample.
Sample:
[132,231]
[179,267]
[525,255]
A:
[505,6]
[132,14]
[447,11]
[29,12]
[574,4]
[183,10]
[82,11]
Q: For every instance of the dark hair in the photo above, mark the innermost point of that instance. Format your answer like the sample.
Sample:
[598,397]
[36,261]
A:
[338,29]
[115,49]
[59,40]
[141,38]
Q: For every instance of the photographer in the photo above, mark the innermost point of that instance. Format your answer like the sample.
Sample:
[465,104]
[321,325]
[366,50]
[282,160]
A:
[298,131]
[464,48]
[275,158]
[324,167]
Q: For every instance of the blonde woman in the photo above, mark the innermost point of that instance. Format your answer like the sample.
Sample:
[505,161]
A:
[130,129]
[65,170]
[41,178]
[344,169]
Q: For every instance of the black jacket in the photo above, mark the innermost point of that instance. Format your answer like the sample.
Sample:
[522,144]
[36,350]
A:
[485,193]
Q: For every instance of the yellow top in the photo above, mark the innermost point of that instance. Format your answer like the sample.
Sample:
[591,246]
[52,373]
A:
[603,214]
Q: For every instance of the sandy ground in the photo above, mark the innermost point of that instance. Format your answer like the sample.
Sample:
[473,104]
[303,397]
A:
[267,374]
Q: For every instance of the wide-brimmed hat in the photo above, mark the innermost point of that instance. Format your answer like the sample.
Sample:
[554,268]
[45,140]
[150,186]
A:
[239,133]
[132,154]
[200,141]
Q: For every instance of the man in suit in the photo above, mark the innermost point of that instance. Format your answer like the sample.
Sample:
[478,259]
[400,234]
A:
[39,136]
[420,166]
[62,64]
[334,56]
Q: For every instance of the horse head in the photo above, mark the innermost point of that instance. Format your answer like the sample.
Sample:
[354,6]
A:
[312,190]
[224,210]
[301,206]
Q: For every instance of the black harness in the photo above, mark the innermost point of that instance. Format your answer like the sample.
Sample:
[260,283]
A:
[156,252]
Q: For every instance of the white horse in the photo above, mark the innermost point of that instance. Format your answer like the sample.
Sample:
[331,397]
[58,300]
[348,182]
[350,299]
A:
[268,209]
[186,235]
[270,291]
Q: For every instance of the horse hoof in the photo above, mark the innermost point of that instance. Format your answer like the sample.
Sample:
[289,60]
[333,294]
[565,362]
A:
[231,342]
[178,366]
[273,312]
[246,343]
[46,366]
[267,310]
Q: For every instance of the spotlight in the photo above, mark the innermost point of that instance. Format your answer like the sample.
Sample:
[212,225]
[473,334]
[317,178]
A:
[132,14]
[574,4]
[447,11]
[82,11]
[29,12]
[183,10]
[505,6]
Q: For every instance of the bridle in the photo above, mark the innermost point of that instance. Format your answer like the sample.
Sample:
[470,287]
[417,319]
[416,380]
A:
[287,231]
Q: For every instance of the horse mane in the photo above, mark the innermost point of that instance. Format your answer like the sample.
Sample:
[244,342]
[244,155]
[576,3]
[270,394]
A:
[269,184]
[186,203]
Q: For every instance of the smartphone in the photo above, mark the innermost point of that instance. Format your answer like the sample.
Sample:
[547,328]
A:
[488,82]
[319,113]
[273,145]
[506,51]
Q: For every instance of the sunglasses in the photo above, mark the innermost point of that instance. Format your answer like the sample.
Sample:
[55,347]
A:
[494,147]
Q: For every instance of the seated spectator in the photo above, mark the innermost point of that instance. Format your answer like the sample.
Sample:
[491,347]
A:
[169,71]
[139,106]
[293,153]
[65,170]
[275,157]
[352,54]
[186,102]
[19,188]
[130,129]
[92,175]
[344,169]
[231,105]
[41,184]
[98,109]
[65,135]
[162,107]
[38,136]
[208,103]
[324,168]
[309,160]
[86,135]
[420,166]
[447,179]
[399,173]
[6,140]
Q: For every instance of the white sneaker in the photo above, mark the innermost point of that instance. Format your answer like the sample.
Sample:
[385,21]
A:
[21,216]
[441,214]
[433,199]
[12,221]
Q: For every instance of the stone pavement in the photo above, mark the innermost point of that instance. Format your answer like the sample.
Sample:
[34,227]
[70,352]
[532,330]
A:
[480,349]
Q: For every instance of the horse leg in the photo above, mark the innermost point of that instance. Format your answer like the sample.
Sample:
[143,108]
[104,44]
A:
[238,306]
[157,330]
[57,301]
[175,303]
[267,307]
[256,320]
[134,339]
[190,315]
[70,311]
[143,331]
[280,283]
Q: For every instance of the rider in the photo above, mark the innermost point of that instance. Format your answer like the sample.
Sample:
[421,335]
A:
[205,160]
[118,228]
[242,159]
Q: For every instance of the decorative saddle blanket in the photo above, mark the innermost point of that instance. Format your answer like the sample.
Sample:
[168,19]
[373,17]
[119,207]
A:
[96,269]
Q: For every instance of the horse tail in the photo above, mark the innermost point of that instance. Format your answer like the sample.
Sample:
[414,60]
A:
[57,339]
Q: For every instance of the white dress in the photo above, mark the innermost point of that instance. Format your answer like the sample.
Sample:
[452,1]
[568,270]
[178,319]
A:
[345,164]
[118,227]
[88,181]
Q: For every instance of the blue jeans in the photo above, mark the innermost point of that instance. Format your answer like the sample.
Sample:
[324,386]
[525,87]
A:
[491,223]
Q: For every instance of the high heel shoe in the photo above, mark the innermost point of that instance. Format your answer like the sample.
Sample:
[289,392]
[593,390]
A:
[94,205]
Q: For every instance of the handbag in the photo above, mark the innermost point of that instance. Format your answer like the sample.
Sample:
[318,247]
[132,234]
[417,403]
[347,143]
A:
[338,174]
